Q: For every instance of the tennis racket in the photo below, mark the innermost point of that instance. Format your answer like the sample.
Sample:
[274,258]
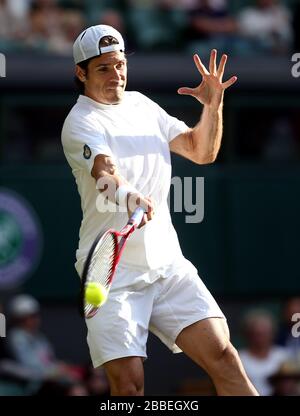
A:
[103,258]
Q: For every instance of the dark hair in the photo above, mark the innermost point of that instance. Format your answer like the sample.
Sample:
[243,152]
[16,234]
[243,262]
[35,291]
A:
[107,41]
[104,41]
[79,84]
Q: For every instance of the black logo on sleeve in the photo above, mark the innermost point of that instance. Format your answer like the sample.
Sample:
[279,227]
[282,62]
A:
[86,152]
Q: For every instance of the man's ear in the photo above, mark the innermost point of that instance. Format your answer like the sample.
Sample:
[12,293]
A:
[80,73]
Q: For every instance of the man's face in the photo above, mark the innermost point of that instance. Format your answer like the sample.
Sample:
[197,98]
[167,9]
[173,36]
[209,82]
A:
[106,77]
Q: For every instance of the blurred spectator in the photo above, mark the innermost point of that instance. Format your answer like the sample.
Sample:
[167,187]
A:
[41,25]
[14,21]
[96,382]
[261,358]
[286,380]
[209,26]
[5,20]
[19,8]
[45,24]
[285,336]
[154,25]
[114,18]
[267,26]
[193,4]
[72,23]
[32,354]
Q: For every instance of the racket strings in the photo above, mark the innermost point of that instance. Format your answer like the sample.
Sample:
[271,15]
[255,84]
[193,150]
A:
[102,264]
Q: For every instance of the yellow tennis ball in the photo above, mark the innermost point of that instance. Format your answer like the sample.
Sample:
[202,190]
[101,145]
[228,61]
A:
[95,294]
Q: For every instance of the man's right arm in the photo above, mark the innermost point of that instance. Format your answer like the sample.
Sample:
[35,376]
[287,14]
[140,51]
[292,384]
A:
[117,189]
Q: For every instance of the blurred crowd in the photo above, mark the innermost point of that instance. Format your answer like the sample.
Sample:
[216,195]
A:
[258,26]
[270,352]
[241,29]
[28,362]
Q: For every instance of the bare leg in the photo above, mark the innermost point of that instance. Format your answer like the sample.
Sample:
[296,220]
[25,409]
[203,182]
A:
[125,376]
[207,343]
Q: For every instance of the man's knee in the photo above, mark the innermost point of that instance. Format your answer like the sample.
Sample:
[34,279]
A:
[229,354]
[126,377]
[225,360]
[129,389]
[124,386]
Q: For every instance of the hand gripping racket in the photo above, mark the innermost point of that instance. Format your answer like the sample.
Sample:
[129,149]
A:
[103,258]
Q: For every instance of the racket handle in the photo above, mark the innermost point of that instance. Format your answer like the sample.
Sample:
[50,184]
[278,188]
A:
[137,217]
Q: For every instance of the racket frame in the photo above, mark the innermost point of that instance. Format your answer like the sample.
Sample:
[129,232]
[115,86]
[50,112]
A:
[124,234]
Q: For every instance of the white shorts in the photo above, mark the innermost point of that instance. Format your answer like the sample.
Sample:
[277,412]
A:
[175,300]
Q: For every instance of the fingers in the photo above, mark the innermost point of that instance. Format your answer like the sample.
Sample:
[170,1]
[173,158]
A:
[147,204]
[186,91]
[220,71]
[203,71]
[230,82]
[212,62]
[137,200]
[150,208]
[211,81]
[201,68]
[212,65]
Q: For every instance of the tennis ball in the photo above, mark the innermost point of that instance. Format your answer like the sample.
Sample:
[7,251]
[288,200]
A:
[95,294]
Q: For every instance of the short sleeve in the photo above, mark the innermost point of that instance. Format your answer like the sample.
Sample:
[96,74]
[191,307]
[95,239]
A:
[170,126]
[173,127]
[83,139]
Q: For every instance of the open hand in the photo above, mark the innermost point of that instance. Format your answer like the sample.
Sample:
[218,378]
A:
[211,90]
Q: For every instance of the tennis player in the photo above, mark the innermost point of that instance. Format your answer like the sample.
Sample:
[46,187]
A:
[118,145]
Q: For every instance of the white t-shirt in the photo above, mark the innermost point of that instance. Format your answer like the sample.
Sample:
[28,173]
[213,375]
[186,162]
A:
[259,370]
[271,25]
[136,133]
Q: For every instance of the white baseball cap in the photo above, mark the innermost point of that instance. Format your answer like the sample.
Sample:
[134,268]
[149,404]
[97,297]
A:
[23,305]
[87,45]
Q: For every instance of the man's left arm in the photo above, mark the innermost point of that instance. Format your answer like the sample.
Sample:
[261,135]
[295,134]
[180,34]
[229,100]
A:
[202,143]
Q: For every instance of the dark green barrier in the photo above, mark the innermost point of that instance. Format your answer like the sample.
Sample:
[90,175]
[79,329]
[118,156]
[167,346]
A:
[52,193]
